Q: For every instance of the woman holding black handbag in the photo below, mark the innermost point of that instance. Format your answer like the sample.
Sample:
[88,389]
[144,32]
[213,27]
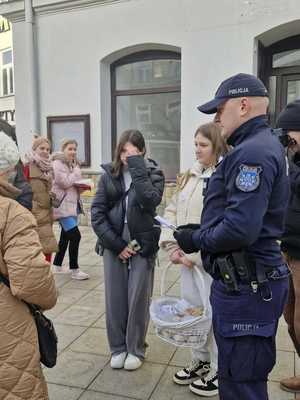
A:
[23,264]
[122,217]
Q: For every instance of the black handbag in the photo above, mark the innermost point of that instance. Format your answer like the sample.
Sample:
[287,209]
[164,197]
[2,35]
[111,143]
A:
[45,330]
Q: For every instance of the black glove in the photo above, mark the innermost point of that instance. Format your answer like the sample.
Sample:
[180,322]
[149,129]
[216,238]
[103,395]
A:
[183,235]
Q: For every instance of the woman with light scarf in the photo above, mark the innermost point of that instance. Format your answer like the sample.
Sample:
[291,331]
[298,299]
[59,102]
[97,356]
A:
[38,172]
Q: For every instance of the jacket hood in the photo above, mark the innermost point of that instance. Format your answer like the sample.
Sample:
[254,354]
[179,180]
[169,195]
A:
[8,190]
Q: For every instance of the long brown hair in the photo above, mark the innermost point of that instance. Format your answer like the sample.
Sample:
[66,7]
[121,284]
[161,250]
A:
[212,132]
[132,136]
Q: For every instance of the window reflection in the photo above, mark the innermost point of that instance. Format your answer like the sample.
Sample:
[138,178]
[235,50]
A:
[288,58]
[148,74]
[157,116]
[293,90]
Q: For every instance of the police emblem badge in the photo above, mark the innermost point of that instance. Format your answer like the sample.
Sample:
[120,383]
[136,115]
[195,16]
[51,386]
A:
[248,178]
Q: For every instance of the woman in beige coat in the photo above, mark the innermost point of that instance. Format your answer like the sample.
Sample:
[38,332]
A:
[186,207]
[38,172]
[23,263]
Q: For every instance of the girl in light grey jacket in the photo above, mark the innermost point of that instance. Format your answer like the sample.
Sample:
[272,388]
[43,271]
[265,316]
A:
[186,207]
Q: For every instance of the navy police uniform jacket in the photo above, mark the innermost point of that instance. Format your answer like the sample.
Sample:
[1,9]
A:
[247,197]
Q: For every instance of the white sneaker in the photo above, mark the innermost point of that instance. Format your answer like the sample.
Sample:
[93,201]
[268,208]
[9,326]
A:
[207,386]
[79,275]
[197,369]
[132,362]
[60,270]
[118,360]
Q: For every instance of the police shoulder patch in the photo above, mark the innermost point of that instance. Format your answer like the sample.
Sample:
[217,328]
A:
[248,178]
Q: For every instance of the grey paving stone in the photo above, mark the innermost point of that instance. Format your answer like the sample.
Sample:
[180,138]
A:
[159,351]
[66,334]
[283,340]
[61,279]
[58,309]
[87,284]
[167,390]
[275,393]
[297,364]
[75,369]
[93,340]
[101,287]
[91,258]
[138,384]
[79,315]
[58,392]
[182,357]
[100,323]
[70,296]
[95,299]
[89,395]
[284,367]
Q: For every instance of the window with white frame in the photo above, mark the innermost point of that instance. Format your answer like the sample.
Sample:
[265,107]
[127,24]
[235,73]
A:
[7,73]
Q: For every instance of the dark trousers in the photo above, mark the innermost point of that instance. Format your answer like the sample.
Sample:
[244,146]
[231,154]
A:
[69,238]
[292,308]
[245,327]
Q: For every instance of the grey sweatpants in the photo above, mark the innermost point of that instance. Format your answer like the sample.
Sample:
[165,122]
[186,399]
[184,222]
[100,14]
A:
[128,290]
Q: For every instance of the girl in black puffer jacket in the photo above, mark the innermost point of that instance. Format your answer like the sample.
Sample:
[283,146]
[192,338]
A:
[122,212]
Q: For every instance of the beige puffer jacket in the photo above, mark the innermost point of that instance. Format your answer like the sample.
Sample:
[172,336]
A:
[41,208]
[22,261]
[186,206]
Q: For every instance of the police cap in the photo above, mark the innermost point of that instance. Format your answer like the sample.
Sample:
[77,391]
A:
[240,85]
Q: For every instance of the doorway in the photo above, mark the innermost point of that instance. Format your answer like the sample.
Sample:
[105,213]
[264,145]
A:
[279,68]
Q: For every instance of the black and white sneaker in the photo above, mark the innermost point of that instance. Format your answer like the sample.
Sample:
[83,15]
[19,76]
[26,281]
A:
[207,386]
[197,369]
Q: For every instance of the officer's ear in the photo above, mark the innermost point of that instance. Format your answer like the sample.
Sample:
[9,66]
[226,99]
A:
[244,106]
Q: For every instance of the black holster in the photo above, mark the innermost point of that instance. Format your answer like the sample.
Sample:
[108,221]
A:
[234,269]
[227,272]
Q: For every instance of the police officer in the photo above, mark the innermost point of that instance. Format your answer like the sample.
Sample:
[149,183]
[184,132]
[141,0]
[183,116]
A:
[289,122]
[242,219]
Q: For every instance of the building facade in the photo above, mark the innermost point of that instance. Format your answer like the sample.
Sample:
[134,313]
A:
[95,68]
[7,98]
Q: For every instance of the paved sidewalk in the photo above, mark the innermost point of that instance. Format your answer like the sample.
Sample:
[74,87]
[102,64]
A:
[83,370]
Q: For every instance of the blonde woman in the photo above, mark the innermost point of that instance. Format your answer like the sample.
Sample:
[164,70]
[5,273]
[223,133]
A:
[66,173]
[38,172]
[186,207]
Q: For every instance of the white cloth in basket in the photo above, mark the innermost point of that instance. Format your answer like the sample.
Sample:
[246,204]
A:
[178,327]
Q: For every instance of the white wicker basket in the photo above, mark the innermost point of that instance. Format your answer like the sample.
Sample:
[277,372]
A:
[186,332]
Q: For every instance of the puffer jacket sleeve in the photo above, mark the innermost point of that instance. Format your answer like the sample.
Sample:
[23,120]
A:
[149,190]
[100,222]
[29,274]
[63,177]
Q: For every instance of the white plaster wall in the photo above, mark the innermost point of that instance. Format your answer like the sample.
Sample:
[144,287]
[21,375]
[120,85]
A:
[216,39]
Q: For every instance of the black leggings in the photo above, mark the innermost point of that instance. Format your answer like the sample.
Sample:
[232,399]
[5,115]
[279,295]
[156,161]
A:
[71,238]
